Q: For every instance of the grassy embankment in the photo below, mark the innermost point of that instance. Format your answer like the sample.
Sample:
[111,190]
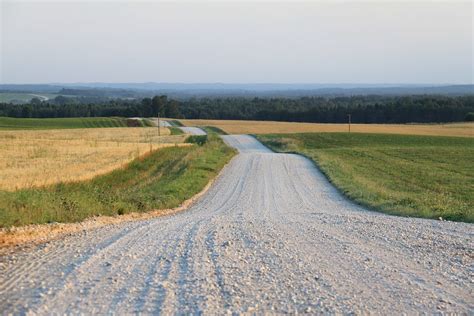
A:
[267,127]
[175,124]
[175,131]
[158,180]
[419,176]
[213,130]
[208,129]
[8,123]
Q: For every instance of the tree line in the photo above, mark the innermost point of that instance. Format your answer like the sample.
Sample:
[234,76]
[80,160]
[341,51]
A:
[363,109]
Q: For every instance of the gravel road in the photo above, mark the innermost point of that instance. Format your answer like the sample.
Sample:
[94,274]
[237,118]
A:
[270,236]
[163,123]
[193,130]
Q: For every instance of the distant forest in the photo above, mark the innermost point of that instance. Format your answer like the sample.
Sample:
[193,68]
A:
[363,109]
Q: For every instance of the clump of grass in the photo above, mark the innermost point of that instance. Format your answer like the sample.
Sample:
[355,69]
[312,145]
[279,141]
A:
[405,175]
[161,179]
[197,139]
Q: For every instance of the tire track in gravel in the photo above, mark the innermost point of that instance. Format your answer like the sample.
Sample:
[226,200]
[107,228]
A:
[192,130]
[386,251]
[270,236]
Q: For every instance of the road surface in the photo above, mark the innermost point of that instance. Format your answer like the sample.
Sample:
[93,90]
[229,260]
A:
[270,236]
[193,130]
[163,123]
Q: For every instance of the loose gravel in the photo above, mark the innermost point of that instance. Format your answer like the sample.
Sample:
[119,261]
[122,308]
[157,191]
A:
[270,236]
[192,130]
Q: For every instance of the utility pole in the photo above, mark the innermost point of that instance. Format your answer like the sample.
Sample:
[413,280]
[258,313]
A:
[349,118]
[159,124]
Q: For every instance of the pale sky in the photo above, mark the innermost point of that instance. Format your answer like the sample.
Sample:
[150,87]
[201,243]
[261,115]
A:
[237,42]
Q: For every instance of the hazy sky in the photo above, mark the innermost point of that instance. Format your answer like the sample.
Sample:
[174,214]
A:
[237,42]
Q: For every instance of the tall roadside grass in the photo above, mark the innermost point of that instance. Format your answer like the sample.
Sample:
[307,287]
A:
[405,175]
[162,179]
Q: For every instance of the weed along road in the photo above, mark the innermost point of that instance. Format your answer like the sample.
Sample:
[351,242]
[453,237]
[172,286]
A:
[270,236]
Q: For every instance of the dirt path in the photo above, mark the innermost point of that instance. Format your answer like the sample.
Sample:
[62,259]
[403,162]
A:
[271,236]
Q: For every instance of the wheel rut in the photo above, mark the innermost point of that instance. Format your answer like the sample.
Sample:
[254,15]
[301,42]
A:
[270,236]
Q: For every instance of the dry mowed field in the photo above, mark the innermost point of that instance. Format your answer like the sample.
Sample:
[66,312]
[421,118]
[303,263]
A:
[265,127]
[36,158]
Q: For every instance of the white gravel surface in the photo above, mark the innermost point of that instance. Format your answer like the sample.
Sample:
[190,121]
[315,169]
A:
[193,130]
[270,236]
[163,123]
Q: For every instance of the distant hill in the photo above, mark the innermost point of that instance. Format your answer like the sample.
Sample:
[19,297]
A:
[25,88]
[187,90]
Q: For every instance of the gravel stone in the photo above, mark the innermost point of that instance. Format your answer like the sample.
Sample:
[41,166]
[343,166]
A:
[271,236]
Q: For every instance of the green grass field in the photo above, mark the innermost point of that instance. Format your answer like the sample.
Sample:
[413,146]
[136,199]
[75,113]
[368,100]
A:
[421,176]
[8,123]
[6,97]
[162,179]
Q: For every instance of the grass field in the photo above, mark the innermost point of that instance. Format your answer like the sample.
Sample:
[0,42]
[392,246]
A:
[263,127]
[41,157]
[418,176]
[8,123]
[7,97]
[161,179]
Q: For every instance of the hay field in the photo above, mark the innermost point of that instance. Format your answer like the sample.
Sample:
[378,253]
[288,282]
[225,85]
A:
[267,127]
[37,158]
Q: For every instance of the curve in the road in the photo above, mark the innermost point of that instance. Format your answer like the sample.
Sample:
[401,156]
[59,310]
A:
[192,130]
[270,236]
